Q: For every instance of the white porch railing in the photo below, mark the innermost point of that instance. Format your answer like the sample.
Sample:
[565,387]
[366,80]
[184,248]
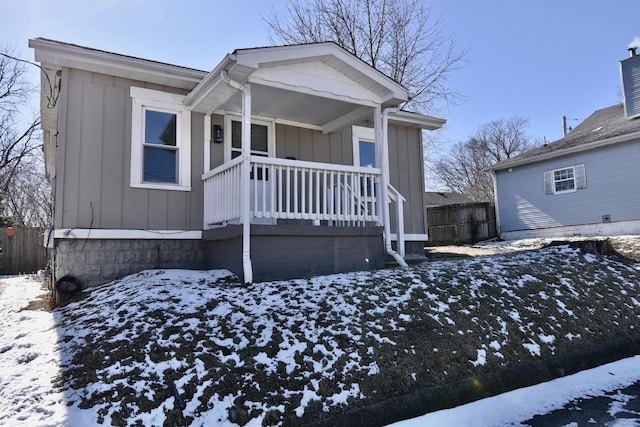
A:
[291,189]
[222,193]
[399,200]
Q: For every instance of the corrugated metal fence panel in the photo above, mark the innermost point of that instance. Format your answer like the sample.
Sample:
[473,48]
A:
[465,223]
[22,253]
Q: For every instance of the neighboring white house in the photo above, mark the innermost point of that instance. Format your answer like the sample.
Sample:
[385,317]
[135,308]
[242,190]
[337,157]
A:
[283,161]
[587,183]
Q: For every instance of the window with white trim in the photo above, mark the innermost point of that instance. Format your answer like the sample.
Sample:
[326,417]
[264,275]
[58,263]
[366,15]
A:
[160,141]
[262,137]
[364,146]
[565,180]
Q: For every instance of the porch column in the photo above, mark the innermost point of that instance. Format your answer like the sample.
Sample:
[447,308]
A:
[207,143]
[245,174]
[383,165]
[245,203]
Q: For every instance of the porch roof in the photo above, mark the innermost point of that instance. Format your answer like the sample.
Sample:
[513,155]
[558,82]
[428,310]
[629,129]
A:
[319,85]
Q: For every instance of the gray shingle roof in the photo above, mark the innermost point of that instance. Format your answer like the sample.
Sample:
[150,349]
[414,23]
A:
[603,124]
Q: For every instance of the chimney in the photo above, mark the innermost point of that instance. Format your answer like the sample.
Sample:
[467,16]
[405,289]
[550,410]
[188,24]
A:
[630,73]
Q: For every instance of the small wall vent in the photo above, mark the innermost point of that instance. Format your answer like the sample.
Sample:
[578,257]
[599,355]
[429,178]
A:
[606,218]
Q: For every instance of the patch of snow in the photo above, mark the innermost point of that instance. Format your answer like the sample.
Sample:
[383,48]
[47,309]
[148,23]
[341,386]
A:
[495,345]
[534,348]
[481,358]
[547,339]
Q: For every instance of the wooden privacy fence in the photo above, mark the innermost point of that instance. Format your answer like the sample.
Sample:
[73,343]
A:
[23,252]
[463,223]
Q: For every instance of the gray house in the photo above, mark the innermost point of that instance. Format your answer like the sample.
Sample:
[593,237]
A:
[587,183]
[281,162]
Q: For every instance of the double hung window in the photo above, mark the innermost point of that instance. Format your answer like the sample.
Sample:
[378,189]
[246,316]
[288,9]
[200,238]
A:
[565,180]
[160,141]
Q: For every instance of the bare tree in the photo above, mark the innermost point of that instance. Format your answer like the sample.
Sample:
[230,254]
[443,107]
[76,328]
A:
[464,169]
[22,183]
[400,38]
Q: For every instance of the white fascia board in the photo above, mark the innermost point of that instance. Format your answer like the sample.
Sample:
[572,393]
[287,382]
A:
[411,237]
[419,120]
[281,55]
[88,59]
[566,151]
[209,82]
[86,233]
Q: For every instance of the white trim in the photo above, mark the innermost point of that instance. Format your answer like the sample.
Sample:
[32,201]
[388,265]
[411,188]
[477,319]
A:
[297,124]
[271,134]
[94,60]
[87,233]
[614,228]
[207,143]
[281,55]
[573,178]
[411,237]
[419,120]
[162,101]
[361,133]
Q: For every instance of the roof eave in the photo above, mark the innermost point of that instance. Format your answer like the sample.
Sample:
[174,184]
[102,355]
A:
[563,152]
[417,120]
[74,56]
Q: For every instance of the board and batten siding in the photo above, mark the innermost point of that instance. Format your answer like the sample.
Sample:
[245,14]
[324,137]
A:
[613,188]
[94,154]
[406,173]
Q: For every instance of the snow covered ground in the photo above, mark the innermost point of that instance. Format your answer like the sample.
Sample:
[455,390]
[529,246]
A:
[515,407]
[317,343]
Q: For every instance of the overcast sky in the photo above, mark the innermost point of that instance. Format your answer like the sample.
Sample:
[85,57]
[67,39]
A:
[537,59]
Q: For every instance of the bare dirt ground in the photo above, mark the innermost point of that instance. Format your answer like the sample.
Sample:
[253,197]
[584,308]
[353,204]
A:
[495,305]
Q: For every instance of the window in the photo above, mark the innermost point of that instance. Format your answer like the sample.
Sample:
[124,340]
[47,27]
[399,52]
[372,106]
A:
[364,154]
[160,141]
[364,147]
[565,180]
[262,139]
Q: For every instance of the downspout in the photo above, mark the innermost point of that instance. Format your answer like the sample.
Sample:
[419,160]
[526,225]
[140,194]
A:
[245,173]
[382,128]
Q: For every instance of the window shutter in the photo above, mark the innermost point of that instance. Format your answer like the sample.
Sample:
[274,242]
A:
[548,182]
[581,177]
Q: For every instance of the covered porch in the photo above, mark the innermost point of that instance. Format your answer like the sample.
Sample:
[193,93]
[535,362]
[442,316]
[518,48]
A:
[258,202]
